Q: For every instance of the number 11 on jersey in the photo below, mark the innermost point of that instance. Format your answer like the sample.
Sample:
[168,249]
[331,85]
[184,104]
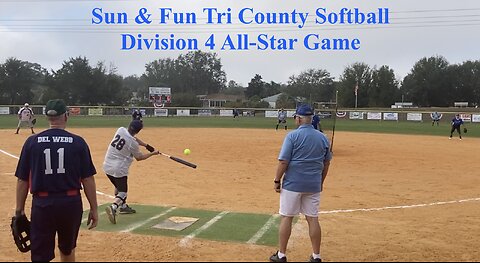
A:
[48,161]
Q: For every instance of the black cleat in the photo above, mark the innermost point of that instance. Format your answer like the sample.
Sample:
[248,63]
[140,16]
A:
[275,258]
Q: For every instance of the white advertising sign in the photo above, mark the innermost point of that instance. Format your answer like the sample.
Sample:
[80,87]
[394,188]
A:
[161,112]
[374,116]
[414,117]
[390,116]
[183,112]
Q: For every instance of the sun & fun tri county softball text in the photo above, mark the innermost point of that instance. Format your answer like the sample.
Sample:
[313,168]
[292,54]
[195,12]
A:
[247,16]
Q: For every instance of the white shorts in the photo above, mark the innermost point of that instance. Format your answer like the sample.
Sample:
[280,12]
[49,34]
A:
[293,203]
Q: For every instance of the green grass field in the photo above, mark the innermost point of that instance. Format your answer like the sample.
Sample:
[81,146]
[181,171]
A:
[261,229]
[393,127]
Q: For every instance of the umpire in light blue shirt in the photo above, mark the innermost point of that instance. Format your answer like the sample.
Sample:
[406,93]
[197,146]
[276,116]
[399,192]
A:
[303,165]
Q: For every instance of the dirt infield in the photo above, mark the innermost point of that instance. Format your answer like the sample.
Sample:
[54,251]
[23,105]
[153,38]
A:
[236,167]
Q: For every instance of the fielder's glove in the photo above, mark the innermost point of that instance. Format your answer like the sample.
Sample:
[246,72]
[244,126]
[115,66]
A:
[150,148]
[465,130]
[34,121]
[21,232]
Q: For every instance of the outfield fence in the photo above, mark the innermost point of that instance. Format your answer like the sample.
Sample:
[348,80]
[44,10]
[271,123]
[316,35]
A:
[410,114]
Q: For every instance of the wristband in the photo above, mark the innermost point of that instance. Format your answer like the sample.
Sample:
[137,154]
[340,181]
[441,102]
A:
[277,182]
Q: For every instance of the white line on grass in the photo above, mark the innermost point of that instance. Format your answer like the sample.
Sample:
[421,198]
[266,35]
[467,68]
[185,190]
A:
[399,207]
[184,242]
[137,225]
[263,230]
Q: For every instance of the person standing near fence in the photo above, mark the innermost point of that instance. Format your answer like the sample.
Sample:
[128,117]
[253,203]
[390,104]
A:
[303,165]
[137,115]
[25,118]
[282,118]
[457,122]
[316,122]
[435,118]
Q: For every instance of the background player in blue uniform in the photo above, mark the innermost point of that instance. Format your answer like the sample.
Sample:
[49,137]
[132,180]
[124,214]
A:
[456,123]
[235,113]
[137,115]
[436,118]
[55,163]
[316,122]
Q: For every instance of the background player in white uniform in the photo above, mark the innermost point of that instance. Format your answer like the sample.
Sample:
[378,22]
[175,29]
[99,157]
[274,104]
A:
[121,151]
[282,118]
[25,117]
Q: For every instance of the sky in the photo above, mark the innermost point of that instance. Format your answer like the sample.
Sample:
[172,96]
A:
[50,32]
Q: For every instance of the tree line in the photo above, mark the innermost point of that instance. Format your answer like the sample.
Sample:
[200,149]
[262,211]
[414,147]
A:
[432,82]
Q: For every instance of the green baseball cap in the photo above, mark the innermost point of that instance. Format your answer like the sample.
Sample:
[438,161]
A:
[55,108]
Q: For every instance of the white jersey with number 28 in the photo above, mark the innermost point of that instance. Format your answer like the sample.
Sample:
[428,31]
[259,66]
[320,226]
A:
[120,153]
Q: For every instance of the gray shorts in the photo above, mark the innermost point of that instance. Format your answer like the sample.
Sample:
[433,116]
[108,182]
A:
[25,124]
[294,203]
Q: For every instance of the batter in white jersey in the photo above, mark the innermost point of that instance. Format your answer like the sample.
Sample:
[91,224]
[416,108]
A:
[121,151]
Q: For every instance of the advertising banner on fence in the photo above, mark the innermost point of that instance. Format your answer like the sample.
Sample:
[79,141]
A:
[204,113]
[226,113]
[475,118]
[414,117]
[390,116]
[183,112]
[4,110]
[466,117]
[374,116]
[271,114]
[325,115]
[161,112]
[354,115]
[95,112]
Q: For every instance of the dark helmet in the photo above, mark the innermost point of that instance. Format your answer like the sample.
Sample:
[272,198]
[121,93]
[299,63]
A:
[135,126]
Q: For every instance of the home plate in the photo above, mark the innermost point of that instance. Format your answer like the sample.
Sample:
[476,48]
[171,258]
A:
[178,223]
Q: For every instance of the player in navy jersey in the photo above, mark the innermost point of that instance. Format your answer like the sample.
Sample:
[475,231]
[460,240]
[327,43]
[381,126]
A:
[137,115]
[316,122]
[56,163]
[456,123]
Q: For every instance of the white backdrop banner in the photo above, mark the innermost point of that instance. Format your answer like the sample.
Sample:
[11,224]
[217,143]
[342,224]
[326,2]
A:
[475,118]
[390,116]
[466,117]
[204,113]
[4,110]
[354,115]
[374,116]
[183,112]
[271,114]
[414,117]
[226,113]
[161,112]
